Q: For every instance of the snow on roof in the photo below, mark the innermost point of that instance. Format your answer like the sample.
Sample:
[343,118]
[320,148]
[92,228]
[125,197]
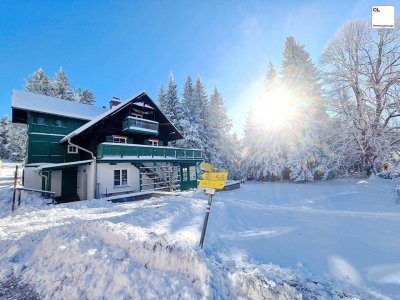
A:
[98,118]
[55,106]
[60,165]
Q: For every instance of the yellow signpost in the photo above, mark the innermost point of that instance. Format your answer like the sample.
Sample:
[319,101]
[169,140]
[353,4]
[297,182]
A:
[212,184]
[215,176]
[211,180]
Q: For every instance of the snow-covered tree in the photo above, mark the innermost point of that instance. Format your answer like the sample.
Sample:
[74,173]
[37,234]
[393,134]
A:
[190,121]
[84,96]
[161,99]
[60,86]
[12,140]
[38,83]
[219,136]
[362,76]
[172,107]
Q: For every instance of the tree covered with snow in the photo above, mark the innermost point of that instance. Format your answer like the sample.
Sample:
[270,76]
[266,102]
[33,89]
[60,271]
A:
[12,140]
[59,87]
[295,148]
[84,96]
[203,122]
[362,79]
[39,83]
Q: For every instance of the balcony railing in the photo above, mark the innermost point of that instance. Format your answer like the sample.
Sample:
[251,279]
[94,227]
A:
[138,125]
[116,150]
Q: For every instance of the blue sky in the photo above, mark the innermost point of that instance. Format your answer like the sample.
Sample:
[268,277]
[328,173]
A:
[117,48]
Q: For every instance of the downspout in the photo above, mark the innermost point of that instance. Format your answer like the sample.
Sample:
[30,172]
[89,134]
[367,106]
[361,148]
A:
[46,178]
[94,162]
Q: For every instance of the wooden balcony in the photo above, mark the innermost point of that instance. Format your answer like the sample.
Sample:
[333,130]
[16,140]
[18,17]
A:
[138,125]
[134,151]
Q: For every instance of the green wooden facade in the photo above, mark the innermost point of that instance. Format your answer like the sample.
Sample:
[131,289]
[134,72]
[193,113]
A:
[44,133]
[49,135]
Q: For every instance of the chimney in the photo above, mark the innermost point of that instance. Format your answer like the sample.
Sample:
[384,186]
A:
[114,102]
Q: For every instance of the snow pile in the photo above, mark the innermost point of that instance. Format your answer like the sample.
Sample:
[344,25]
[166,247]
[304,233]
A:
[29,200]
[101,259]
[325,240]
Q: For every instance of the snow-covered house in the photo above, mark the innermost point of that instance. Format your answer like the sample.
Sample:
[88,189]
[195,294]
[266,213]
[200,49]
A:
[82,151]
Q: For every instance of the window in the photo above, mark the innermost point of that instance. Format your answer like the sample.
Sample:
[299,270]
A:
[39,121]
[153,142]
[137,116]
[119,139]
[192,173]
[72,149]
[184,174]
[120,178]
[58,123]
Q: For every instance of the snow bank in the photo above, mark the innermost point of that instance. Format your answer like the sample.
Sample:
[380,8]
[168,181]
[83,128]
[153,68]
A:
[148,249]
[103,260]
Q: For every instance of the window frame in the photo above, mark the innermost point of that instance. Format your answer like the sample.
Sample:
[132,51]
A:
[118,139]
[69,151]
[185,176]
[153,142]
[192,173]
[120,176]
[135,115]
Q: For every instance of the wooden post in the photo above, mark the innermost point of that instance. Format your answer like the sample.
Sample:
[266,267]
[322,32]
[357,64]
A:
[203,231]
[15,187]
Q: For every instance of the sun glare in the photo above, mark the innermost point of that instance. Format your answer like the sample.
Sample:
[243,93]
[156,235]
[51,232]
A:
[276,110]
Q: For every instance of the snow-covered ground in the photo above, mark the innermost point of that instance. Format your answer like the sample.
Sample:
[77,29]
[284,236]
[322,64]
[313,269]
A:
[334,239]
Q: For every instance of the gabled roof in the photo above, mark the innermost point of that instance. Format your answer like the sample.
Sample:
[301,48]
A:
[141,99]
[27,101]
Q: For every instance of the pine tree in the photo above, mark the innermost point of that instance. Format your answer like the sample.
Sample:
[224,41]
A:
[189,122]
[301,79]
[12,140]
[219,133]
[271,77]
[38,83]
[202,102]
[188,101]
[60,86]
[161,99]
[85,96]
[173,109]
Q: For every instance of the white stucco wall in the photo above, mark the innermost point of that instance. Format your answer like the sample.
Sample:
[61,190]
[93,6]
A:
[32,179]
[56,177]
[105,178]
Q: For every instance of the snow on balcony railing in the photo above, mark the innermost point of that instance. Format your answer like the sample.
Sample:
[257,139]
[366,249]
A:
[136,150]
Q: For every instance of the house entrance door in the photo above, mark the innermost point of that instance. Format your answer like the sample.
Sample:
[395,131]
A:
[69,183]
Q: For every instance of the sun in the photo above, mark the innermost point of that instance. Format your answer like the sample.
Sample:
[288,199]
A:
[276,110]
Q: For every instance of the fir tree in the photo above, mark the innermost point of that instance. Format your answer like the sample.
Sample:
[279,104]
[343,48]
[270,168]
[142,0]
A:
[60,86]
[172,107]
[84,96]
[161,99]
[38,83]
[189,123]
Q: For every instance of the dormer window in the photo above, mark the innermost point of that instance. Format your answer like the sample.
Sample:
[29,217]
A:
[119,139]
